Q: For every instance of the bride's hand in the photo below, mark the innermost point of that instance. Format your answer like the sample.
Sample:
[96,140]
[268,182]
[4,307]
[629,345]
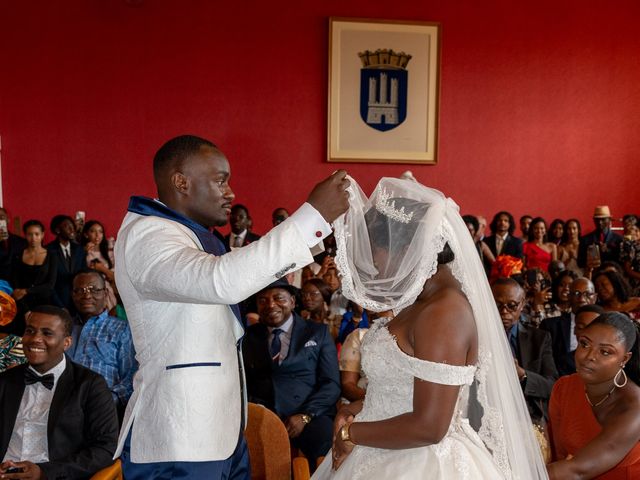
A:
[341,450]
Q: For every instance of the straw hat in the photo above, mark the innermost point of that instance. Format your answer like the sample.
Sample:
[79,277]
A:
[602,211]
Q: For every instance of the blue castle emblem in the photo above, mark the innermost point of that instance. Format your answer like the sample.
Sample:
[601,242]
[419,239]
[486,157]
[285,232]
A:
[383,88]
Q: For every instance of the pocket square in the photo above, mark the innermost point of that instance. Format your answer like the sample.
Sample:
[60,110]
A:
[310,343]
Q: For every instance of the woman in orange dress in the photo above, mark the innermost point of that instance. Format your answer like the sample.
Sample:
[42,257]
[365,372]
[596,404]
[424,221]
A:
[538,253]
[594,414]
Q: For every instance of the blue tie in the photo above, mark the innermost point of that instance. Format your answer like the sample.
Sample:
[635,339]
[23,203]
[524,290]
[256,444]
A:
[276,345]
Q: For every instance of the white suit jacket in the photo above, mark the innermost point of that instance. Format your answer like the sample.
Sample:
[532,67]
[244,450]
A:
[187,405]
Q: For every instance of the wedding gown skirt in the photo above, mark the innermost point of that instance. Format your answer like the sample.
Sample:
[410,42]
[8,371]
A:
[461,455]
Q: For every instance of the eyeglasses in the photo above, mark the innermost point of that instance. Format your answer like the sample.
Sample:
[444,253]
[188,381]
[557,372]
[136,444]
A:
[94,291]
[582,294]
[511,306]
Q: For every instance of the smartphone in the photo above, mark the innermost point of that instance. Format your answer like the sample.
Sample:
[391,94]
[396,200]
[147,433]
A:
[4,231]
[80,217]
[593,252]
[14,470]
[532,277]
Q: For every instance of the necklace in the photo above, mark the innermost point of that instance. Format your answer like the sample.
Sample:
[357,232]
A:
[601,401]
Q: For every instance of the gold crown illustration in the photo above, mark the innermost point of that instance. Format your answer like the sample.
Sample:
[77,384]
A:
[384,58]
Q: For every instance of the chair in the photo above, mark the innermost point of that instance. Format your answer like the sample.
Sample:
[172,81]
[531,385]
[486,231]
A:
[269,448]
[112,472]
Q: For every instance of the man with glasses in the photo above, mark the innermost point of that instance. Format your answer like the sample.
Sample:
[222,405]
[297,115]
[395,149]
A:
[102,342]
[562,328]
[531,347]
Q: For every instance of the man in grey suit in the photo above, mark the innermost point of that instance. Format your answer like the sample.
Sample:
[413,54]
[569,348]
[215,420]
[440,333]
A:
[531,347]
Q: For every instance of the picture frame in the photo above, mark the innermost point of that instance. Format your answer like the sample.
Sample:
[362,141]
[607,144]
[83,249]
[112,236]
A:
[383,91]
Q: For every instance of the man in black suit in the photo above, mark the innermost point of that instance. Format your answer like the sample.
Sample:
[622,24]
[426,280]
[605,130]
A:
[562,328]
[502,241]
[10,246]
[70,257]
[607,241]
[58,420]
[240,235]
[292,368]
[531,347]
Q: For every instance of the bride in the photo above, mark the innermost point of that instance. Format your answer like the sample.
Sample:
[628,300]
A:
[444,400]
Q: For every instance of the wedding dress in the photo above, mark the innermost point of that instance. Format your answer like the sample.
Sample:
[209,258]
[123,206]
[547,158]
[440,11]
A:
[391,372]
[387,248]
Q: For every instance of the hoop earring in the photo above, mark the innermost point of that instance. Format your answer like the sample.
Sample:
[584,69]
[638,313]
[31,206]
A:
[615,379]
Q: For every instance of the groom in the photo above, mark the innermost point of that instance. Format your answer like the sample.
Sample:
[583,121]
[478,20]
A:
[186,415]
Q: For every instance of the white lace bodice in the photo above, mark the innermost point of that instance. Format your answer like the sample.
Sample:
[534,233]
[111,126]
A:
[391,374]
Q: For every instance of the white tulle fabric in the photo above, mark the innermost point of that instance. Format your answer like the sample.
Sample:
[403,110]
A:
[384,265]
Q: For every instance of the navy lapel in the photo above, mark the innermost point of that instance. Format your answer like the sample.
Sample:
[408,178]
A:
[565,326]
[524,345]
[10,398]
[210,241]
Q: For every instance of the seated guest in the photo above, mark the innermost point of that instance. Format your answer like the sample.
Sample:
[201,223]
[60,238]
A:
[99,258]
[10,246]
[316,297]
[630,257]
[629,220]
[614,293]
[531,348]
[537,251]
[483,250]
[556,231]
[560,303]
[329,273]
[603,237]
[352,378]
[279,215]
[584,316]
[354,318]
[58,419]
[562,328]
[525,223]
[34,273]
[568,249]
[70,259]
[11,352]
[595,414]
[240,235]
[101,342]
[291,367]
[556,267]
[502,241]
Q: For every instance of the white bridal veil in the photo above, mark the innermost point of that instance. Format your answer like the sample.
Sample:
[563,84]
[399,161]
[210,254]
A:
[384,265]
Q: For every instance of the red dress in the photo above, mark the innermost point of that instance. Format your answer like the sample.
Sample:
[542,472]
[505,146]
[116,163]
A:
[572,425]
[536,257]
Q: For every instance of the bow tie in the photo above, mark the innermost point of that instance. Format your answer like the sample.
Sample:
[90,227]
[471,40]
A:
[30,377]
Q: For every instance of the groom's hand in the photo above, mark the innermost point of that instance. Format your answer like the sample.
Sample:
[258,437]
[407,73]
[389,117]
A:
[330,197]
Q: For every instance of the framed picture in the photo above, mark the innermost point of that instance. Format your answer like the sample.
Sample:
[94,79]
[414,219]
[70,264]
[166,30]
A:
[383,91]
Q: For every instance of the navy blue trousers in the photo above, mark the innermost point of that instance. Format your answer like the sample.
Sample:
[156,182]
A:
[236,467]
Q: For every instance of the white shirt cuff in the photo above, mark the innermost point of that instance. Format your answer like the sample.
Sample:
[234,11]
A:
[311,224]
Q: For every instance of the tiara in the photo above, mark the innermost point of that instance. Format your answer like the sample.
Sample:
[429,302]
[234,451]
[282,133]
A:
[388,208]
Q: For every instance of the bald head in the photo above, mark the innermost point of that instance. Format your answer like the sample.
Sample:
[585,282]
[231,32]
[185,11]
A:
[581,293]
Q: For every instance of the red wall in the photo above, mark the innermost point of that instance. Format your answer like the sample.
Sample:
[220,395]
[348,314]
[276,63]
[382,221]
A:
[539,104]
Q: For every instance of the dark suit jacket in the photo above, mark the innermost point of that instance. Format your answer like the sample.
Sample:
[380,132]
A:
[307,381]
[560,330]
[64,277]
[536,357]
[512,246]
[248,238]
[83,426]
[9,248]
[611,239]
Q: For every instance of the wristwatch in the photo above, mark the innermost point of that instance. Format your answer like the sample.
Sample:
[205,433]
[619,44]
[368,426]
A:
[306,419]
[344,434]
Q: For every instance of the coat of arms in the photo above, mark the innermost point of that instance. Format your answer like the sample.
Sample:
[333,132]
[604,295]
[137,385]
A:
[383,88]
